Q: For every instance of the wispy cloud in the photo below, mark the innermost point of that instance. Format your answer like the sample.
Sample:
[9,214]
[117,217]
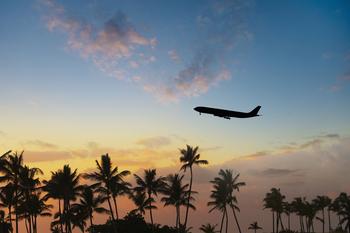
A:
[114,48]
[106,46]
[277,172]
[41,144]
[154,142]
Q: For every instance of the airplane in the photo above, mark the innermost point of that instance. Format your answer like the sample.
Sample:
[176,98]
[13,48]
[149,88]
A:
[227,114]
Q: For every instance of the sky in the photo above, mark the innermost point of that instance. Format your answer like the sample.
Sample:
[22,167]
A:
[83,78]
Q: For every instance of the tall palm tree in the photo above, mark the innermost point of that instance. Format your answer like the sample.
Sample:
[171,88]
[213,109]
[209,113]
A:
[223,194]
[149,184]
[190,157]
[321,203]
[298,205]
[219,200]
[274,201]
[345,212]
[68,183]
[175,193]
[208,228]
[254,226]
[29,186]
[11,166]
[105,176]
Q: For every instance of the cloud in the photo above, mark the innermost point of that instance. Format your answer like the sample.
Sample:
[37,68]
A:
[41,144]
[106,46]
[44,156]
[174,56]
[154,142]
[2,133]
[277,172]
[113,48]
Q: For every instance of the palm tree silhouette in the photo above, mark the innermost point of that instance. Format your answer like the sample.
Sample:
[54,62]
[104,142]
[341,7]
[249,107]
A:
[176,194]
[224,186]
[106,176]
[321,203]
[4,226]
[7,199]
[287,209]
[208,228]
[254,226]
[11,166]
[274,201]
[298,206]
[141,202]
[345,211]
[89,203]
[149,184]
[190,157]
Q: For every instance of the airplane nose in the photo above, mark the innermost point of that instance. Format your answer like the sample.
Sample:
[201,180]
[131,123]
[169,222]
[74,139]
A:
[196,109]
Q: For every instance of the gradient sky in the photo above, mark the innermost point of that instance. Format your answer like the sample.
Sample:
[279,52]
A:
[82,78]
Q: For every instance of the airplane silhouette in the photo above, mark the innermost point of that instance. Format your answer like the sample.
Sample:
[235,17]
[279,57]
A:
[227,114]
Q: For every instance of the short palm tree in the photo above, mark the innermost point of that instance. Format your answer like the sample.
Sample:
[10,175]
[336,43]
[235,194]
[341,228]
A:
[208,228]
[7,199]
[89,203]
[345,212]
[190,157]
[150,184]
[254,226]
[141,202]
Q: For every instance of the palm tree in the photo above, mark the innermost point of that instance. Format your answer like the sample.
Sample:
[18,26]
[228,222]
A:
[345,212]
[7,199]
[4,226]
[190,157]
[68,183]
[298,205]
[89,203]
[175,194]
[224,186]
[141,202]
[254,226]
[287,209]
[274,201]
[105,176]
[11,166]
[219,200]
[321,203]
[149,184]
[208,228]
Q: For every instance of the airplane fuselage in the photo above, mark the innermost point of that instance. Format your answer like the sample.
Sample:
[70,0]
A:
[227,113]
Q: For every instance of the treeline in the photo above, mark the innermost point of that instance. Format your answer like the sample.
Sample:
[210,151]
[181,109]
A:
[24,198]
[307,211]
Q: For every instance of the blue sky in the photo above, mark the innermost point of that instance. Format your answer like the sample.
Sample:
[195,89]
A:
[94,76]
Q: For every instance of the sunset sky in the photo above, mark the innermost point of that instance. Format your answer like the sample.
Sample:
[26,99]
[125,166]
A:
[82,78]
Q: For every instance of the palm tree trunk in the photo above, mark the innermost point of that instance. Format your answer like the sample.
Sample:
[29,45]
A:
[177,217]
[226,221]
[278,222]
[115,207]
[329,221]
[112,215]
[323,220]
[60,212]
[273,222]
[222,221]
[10,217]
[91,224]
[280,216]
[16,207]
[234,214]
[289,221]
[189,197]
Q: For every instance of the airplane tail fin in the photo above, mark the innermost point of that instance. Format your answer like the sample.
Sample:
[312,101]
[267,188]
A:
[255,110]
